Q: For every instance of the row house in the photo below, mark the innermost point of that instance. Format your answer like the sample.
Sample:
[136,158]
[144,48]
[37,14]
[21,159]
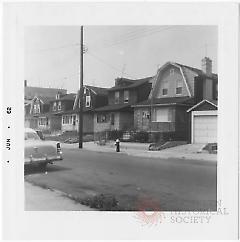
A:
[176,89]
[36,102]
[34,111]
[93,98]
[61,113]
[119,113]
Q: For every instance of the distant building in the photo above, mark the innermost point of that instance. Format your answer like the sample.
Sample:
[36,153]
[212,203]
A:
[30,92]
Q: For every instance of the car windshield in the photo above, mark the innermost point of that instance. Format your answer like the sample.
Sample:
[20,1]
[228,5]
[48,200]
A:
[31,136]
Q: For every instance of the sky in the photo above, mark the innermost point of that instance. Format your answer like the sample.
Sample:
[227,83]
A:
[52,53]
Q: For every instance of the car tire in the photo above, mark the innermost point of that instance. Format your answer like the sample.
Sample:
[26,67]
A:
[43,166]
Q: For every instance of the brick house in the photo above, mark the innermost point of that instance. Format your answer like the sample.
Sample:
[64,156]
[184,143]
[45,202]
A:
[93,97]
[176,88]
[118,114]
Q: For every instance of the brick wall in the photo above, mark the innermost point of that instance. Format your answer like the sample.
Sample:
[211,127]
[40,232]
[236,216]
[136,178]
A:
[142,123]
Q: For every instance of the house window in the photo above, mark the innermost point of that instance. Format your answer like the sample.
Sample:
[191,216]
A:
[59,105]
[36,108]
[88,101]
[58,95]
[69,119]
[54,106]
[146,115]
[126,96]
[112,118]
[165,88]
[116,97]
[171,72]
[163,115]
[179,87]
[102,118]
[42,121]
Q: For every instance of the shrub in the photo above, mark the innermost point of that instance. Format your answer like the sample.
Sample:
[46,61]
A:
[141,136]
[114,134]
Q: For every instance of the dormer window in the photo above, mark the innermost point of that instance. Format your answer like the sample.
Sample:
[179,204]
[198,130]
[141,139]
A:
[59,105]
[179,87]
[36,108]
[126,96]
[58,96]
[171,72]
[88,101]
[54,106]
[165,88]
[116,97]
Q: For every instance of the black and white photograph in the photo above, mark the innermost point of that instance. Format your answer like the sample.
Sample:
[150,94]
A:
[120,116]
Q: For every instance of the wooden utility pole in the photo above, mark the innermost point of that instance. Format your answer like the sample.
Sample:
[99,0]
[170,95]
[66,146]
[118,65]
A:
[80,117]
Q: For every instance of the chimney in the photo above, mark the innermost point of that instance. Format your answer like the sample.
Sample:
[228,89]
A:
[25,83]
[207,66]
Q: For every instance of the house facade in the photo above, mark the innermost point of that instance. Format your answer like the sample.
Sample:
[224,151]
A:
[35,113]
[176,88]
[36,105]
[119,114]
[93,97]
[58,107]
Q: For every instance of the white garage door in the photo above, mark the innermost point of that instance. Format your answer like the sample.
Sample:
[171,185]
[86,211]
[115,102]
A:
[205,129]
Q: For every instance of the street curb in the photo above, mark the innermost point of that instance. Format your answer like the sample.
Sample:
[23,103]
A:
[148,155]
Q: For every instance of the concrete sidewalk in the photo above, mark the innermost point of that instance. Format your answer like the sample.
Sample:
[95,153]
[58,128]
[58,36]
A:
[188,152]
[40,199]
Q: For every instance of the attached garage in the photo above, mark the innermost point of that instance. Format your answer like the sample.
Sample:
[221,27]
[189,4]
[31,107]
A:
[204,122]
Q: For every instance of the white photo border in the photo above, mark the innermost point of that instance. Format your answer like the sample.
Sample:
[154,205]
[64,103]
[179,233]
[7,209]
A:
[20,224]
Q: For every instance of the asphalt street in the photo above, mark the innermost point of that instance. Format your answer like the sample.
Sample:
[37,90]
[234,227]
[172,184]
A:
[170,184]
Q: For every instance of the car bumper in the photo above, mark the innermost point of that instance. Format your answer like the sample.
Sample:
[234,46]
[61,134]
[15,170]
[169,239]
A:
[43,160]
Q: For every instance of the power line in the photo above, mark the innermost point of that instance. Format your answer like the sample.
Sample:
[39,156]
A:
[52,48]
[107,64]
[132,38]
[131,34]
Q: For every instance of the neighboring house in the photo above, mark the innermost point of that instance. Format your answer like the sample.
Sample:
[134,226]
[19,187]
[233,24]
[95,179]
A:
[38,113]
[58,108]
[176,88]
[93,97]
[35,99]
[118,114]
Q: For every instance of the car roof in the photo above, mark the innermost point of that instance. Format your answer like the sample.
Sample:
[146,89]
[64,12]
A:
[29,130]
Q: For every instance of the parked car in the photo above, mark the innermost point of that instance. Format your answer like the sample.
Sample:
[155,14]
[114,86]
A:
[38,151]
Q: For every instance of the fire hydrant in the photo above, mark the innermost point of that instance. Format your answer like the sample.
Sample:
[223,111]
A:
[117,144]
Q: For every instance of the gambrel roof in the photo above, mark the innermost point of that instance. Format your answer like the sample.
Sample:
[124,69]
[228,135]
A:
[187,74]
